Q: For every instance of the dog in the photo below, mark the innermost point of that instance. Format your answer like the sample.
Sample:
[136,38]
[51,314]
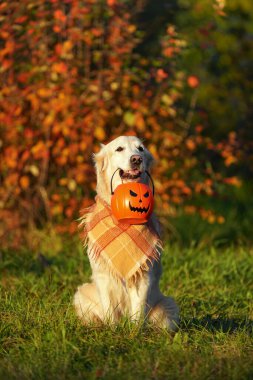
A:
[106,299]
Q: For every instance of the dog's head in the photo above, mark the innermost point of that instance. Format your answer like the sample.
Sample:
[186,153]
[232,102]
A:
[129,156]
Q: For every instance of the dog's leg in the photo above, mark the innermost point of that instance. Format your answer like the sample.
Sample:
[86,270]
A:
[110,295]
[138,295]
[165,314]
[87,303]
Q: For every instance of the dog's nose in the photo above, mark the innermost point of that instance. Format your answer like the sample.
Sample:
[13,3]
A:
[135,160]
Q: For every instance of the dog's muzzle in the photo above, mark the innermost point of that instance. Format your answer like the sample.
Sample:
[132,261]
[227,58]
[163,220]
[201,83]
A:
[130,174]
[135,171]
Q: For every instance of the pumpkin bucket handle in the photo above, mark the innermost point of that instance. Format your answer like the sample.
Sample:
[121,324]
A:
[150,178]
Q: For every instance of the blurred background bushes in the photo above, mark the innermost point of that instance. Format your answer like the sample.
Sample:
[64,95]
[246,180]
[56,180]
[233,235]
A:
[178,74]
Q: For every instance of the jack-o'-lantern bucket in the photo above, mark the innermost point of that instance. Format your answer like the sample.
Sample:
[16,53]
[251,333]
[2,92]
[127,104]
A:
[132,202]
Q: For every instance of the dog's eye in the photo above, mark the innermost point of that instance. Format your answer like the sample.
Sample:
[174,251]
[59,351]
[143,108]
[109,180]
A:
[140,148]
[133,193]
[146,194]
[119,149]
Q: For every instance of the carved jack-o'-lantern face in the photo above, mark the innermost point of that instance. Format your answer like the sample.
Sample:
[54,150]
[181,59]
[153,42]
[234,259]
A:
[132,203]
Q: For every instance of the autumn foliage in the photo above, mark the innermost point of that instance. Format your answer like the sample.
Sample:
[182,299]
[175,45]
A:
[72,77]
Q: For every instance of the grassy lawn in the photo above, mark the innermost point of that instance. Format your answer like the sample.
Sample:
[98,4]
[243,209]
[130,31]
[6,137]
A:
[42,339]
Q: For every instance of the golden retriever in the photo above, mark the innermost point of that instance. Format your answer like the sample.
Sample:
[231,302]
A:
[105,299]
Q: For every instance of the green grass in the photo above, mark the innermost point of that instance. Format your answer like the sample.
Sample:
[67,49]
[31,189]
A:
[42,339]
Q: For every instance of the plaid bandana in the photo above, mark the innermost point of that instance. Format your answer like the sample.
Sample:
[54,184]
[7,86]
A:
[127,250]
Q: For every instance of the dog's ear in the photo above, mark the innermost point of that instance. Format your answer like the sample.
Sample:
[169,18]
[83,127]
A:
[101,159]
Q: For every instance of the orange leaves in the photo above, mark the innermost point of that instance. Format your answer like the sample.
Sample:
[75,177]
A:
[23,77]
[229,155]
[190,144]
[49,119]
[3,5]
[171,43]
[220,219]
[190,209]
[161,75]
[99,133]
[11,180]
[59,68]
[39,150]
[8,49]
[60,16]
[56,29]
[140,123]
[234,181]
[24,182]
[219,6]
[25,155]
[66,47]
[111,3]
[78,80]
[44,92]
[60,20]
[97,32]
[208,215]
[57,209]
[11,157]
[61,160]
[193,81]
[229,149]
[230,159]
[169,51]
[21,20]
[64,50]
[203,187]
[5,64]
[33,98]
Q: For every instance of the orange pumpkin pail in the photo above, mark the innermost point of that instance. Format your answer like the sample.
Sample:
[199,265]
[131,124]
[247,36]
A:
[132,202]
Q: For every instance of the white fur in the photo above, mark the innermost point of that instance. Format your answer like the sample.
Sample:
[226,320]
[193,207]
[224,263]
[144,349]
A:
[106,299]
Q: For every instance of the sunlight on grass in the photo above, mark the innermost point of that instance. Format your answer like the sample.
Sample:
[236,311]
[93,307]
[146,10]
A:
[42,339]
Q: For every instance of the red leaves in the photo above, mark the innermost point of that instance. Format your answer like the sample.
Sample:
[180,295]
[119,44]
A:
[10,157]
[21,19]
[193,81]
[234,181]
[60,16]
[111,3]
[161,75]
[76,81]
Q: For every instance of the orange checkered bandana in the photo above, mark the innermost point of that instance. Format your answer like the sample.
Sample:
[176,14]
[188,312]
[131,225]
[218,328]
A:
[126,250]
